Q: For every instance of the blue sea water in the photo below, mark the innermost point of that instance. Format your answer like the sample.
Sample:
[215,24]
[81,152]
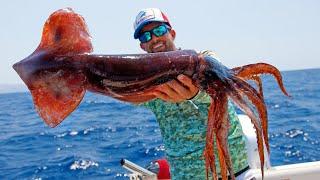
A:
[90,143]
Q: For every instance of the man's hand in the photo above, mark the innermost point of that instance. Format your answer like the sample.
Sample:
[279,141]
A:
[176,90]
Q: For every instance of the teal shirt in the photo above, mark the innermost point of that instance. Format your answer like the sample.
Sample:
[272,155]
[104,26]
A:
[183,127]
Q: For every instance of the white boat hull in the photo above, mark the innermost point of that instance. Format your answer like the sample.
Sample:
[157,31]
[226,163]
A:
[301,171]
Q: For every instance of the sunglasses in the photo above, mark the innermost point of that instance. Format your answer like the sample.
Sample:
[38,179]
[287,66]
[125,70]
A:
[157,31]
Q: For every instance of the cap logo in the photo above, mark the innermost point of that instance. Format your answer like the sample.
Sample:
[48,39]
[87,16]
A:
[142,16]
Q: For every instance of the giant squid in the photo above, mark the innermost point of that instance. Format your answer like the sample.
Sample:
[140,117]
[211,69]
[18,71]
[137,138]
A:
[63,68]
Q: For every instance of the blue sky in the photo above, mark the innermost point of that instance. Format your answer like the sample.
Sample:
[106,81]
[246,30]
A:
[285,33]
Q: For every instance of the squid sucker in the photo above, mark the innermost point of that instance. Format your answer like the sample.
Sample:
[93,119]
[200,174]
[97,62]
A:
[63,68]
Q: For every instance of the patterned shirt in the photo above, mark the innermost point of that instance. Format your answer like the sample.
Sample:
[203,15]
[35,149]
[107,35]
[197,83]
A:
[183,127]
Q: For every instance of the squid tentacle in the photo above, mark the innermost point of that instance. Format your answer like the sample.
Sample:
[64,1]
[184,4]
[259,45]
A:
[254,77]
[258,81]
[255,99]
[250,70]
[243,105]
[218,126]
[209,148]
[222,143]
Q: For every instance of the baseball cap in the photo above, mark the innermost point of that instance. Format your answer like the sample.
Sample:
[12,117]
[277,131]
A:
[146,16]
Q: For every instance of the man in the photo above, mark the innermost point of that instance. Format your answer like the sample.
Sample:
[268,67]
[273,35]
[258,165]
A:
[181,110]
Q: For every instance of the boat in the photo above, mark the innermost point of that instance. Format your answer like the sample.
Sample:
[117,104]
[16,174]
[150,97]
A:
[299,171]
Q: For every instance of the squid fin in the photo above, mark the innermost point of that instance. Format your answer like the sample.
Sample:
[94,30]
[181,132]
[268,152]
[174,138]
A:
[56,91]
[65,33]
[57,95]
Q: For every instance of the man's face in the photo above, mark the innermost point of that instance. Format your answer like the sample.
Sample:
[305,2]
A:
[158,44]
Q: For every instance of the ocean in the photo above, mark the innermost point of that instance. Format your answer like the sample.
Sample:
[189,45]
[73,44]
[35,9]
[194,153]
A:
[90,143]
